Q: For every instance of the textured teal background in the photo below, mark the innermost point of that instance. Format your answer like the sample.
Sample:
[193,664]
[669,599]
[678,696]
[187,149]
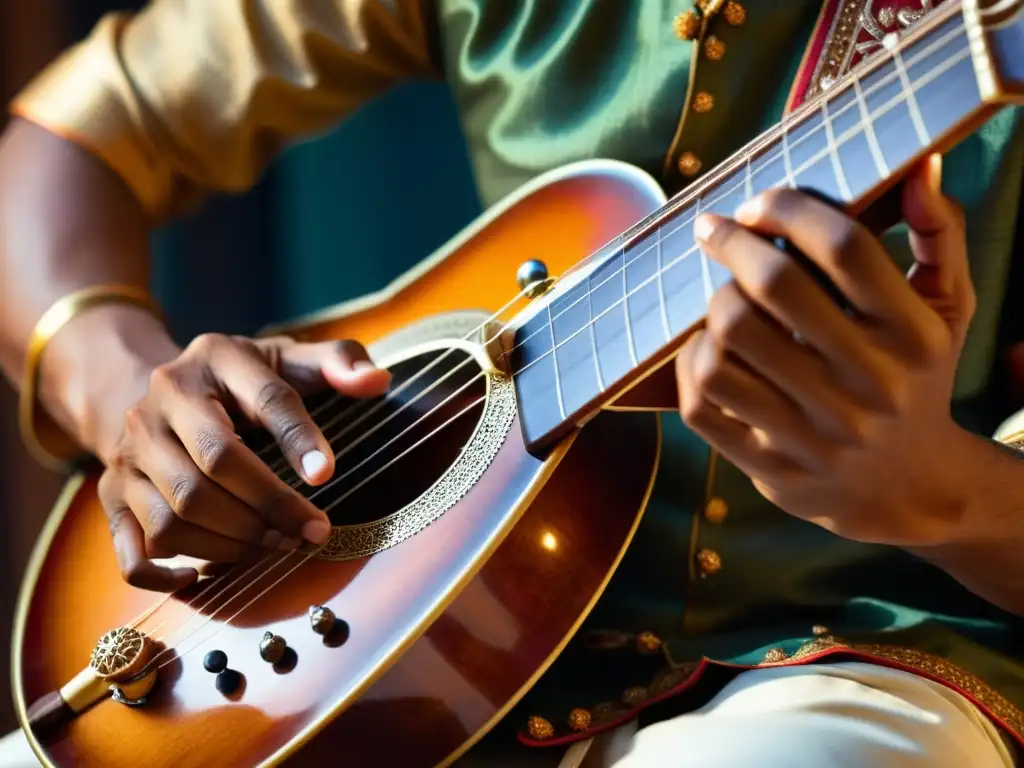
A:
[335,217]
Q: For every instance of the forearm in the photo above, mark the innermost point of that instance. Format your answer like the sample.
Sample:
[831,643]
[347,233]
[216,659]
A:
[68,222]
[985,548]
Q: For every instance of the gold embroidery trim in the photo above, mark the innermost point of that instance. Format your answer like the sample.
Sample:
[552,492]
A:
[941,669]
[669,678]
[838,46]
[1015,440]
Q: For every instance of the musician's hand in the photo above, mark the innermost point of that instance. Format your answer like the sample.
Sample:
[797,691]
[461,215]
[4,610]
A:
[180,482]
[848,423]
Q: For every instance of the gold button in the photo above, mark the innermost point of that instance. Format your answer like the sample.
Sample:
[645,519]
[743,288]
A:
[648,642]
[539,728]
[579,719]
[703,102]
[710,562]
[689,164]
[716,510]
[714,48]
[734,13]
[775,655]
[686,25]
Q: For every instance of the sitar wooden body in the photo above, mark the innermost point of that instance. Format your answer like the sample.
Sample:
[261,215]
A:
[465,559]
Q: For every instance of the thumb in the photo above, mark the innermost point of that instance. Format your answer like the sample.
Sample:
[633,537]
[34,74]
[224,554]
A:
[343,365]
[940,274]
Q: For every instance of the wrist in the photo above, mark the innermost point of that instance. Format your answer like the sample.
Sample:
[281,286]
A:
[98,366]
[956,505]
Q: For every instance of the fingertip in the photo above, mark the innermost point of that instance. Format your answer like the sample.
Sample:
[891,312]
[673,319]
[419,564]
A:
[361,378]
[933,173]
[316,531]
[926,178]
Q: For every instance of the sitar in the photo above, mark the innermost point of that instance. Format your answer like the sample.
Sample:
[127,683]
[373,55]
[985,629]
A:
[481,505]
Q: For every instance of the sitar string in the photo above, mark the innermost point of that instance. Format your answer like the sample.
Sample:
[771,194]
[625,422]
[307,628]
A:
[501,310]
[774,154]
[769,138]
[781,130]
[846,137]
[895,101]
[308,556]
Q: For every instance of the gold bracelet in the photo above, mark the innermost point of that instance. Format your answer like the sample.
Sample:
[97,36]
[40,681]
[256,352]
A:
[56,317]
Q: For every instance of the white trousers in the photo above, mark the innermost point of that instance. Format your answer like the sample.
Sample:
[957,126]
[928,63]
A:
[845,715]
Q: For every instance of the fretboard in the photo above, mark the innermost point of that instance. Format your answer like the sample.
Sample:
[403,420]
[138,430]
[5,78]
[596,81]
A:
[653,285]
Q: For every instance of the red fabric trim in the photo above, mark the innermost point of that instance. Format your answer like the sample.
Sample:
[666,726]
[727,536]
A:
[706,663]
[819,37]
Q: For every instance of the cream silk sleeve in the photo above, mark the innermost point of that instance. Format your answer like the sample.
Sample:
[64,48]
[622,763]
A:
[190,96]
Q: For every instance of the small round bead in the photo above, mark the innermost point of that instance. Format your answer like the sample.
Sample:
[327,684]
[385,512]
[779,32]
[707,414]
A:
[321,618]
[272,647]
[215,661]
[228,681]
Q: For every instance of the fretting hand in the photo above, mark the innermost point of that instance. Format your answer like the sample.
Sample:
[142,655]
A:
[180,482]
[840,419]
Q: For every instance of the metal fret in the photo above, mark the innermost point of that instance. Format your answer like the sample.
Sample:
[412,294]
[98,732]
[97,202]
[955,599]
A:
[593,333]
[704,268]
[833,150]
[911,99]
[869,130]
[554,361]
[630,344]
[661,287]
[787,161]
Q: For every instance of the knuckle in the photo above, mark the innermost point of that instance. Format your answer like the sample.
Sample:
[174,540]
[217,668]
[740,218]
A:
[843,246]
[133,573]
[694,410]
[274,507]
[205,343]
[729,320]
[772,278]
[183,489]
[161,523]
[163,377]
[779,200]
[135,420]
[274,398]
[294,435]
[213,448]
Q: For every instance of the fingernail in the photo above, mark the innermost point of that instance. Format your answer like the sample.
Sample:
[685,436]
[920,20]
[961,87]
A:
[363,365]
[288,544]
[271,539]
[703,227]
[316,531]
[313,463]
[749,210]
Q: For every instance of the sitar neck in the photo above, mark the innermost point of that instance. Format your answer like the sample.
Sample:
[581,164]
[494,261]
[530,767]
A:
[629,307]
